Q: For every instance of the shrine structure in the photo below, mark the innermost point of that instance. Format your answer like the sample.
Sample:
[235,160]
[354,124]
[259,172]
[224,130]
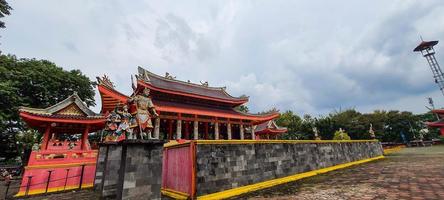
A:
[187,110]
[439,123]
[269,130]
[64,160]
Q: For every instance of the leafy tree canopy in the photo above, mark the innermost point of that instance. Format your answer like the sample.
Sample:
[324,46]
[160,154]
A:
[389,126]
[4,10]
[34,83]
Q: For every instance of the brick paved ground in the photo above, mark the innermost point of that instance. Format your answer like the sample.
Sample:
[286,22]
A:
[413,173]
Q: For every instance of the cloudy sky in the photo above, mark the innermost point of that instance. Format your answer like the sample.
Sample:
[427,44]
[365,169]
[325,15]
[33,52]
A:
[312,56]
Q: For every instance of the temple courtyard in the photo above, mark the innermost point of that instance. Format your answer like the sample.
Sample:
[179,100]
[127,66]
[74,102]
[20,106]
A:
[412,173]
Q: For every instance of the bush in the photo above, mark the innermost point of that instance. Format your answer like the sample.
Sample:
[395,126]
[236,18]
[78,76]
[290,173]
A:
[341,135]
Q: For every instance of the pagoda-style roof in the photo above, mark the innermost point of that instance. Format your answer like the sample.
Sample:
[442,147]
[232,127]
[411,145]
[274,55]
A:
[269,127]
[111,98]
[169,84]
[70,110]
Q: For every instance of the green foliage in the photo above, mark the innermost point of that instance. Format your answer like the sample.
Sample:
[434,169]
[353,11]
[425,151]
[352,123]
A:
[341,135]
[388,125]
[4,10]
[33,83]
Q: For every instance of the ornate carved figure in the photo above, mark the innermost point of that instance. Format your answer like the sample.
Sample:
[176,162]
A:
[125,128]
[144,112]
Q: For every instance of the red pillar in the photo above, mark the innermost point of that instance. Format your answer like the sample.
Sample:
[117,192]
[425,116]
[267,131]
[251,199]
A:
[206,130]
[45,140]
[85,138]
[442,131]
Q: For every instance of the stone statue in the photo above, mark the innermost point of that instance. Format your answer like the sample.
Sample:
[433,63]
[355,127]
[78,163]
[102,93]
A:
[316,133]
[144,112]
[371,131]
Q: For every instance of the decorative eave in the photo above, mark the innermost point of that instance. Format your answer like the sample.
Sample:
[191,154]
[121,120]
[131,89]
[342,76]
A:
[58,109]
[212,112]
[70,110]
[109,95]
[172,86]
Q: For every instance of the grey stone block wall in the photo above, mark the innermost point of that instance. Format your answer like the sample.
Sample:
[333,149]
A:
[143,172]
[100,167]
[110,167]
[225,166]
[130,169]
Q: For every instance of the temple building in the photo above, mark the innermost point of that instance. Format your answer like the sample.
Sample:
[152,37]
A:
[189,111]
[64,159]
[439,123]
[269,130]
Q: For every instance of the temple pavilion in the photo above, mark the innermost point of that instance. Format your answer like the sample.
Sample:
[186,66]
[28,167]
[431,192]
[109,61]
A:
[188,110]
[269,130]
[439,123]
[64,159]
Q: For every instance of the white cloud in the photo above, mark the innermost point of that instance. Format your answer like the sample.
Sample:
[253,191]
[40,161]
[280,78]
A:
[307,56]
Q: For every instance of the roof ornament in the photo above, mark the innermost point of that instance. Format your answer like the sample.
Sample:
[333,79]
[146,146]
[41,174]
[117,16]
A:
[169,76]
[105,81]
[204,83]
[143,74]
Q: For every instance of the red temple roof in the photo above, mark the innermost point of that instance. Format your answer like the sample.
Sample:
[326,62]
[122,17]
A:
[269,127]
[71,111]
[111,98]
[170,85]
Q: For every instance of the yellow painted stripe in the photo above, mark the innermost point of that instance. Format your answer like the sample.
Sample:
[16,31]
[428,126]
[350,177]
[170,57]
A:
[393,150]
[174,194]
[266,184]
[277,141]
[59,165]
[53,189]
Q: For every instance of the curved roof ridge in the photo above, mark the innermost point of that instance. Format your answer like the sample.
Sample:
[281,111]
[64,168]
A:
[258,114]
[222,89]
[74,98]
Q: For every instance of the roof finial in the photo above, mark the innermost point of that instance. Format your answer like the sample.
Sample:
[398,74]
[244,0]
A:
[420,36]
[204,83]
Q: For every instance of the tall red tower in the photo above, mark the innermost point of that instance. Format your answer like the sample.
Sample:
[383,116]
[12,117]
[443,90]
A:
[426,48]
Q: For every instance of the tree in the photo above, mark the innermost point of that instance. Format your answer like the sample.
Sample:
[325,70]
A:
[33,83]
[4,10]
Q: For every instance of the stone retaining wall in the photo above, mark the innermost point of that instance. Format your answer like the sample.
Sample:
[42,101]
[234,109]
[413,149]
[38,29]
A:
[223,166]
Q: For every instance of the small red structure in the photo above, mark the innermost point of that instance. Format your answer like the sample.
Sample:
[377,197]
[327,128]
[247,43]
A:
[63,160]
[269,130]
[440,123]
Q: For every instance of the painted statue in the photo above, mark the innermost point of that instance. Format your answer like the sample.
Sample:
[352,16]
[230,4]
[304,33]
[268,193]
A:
[145,111]
[125,128]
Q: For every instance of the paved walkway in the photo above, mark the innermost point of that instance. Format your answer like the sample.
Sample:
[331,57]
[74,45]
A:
[413,173]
